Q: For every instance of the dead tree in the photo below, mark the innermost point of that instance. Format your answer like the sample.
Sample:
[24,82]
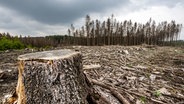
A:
[88,29]
[52,77]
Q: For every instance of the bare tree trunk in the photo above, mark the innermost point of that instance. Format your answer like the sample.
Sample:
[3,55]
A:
[52,77]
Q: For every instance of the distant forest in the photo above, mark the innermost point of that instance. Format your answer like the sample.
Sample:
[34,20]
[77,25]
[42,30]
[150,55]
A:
[113,32]
[109,32]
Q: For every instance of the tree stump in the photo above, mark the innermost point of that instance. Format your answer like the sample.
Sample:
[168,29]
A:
[51,77]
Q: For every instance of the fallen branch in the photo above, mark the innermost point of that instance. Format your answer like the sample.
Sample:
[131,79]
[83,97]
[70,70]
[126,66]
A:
[104,99]
[174,96]
[113,91]
[1,75]
[170,95]
[123,90]
[140,95]
[87,67]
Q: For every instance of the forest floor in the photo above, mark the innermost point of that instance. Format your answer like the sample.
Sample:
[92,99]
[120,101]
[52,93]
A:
[141,74]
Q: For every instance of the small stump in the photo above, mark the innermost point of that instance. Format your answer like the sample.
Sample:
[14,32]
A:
[51,77]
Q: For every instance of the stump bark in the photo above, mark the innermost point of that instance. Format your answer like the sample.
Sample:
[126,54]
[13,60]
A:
[52,77]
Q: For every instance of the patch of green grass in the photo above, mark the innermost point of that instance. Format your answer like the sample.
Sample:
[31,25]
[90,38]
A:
[129,65]
[143,99]
[147,75]
[47,47]
[157,93]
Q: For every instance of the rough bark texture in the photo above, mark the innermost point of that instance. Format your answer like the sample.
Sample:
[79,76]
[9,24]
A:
[53,78]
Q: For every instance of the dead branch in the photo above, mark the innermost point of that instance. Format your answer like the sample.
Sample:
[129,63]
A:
[113,91]
[140,95]
[88,67]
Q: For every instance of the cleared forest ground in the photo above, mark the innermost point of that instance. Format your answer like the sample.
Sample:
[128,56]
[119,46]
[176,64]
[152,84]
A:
[142,74]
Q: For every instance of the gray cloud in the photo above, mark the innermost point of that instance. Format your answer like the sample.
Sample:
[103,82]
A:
[59,11]
[168,3]
[45,17]
[136,5]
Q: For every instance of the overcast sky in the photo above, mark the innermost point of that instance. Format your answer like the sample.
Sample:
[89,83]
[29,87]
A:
[47,17]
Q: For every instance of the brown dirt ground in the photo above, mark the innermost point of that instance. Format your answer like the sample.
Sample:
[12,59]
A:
[143,74]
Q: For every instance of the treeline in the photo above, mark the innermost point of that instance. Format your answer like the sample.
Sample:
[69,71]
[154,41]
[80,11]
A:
[47,41]
[8,41]
[113,32]
[109,32]
[179,43]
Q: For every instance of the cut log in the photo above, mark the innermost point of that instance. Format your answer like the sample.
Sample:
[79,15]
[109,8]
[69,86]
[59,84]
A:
[93,66]
[52,77]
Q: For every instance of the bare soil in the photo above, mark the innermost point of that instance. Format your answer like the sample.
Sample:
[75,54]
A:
[141,74]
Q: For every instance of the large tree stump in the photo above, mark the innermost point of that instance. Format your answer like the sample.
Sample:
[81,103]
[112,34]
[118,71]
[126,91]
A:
[51,77]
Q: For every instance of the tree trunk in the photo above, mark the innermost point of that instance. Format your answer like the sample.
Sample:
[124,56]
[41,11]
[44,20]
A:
[51,77]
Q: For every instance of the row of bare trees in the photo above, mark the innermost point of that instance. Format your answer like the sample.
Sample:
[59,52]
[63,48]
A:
[109,32]
[113,32]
